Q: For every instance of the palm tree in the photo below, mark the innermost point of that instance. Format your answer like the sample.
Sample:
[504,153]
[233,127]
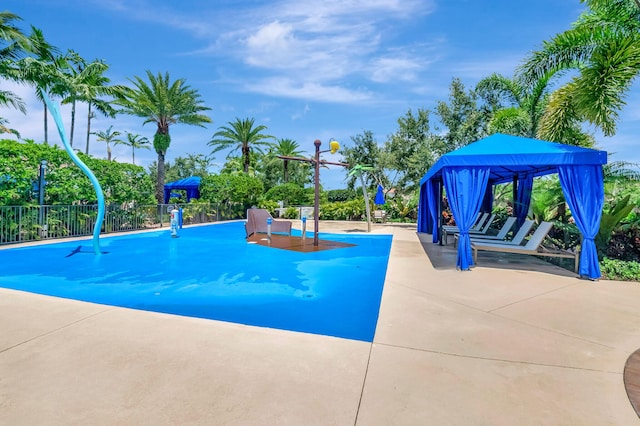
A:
[525,104]
[135,141]
[241,135]
[604,46]
[43,70]
[288,148]
[92,92]
[13,45]
[5,129]
[108,137]
[524,109]
[85,82]
[163,103]
[13,42]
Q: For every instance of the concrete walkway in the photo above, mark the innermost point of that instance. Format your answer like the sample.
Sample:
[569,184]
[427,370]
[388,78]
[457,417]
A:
[514,341]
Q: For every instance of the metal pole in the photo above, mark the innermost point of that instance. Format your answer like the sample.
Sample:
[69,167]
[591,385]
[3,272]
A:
[41,184]
[440,206]
[316,206]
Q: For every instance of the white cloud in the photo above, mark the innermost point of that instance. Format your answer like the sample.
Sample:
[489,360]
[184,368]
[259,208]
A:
[298,115]
[307,90]
[393,69]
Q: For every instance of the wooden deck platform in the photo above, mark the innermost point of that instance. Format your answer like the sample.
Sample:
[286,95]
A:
[300,244]
[632,380]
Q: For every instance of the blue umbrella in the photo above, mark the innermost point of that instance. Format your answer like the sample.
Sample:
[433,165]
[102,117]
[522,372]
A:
[379,196]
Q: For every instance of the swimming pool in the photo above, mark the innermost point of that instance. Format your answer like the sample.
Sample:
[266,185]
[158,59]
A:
[212,272]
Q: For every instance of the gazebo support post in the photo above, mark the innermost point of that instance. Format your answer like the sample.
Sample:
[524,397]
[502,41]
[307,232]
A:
[439,222]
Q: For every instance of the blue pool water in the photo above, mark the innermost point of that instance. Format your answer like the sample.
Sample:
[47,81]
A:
[212,272]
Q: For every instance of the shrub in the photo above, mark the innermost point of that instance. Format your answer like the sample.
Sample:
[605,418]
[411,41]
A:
[268,205]
[228,188]
[613,269]
[348,210]
[290,193]
[291,213]
[335,195]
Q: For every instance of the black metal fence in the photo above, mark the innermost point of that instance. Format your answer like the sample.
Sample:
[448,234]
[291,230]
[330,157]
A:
[20,224]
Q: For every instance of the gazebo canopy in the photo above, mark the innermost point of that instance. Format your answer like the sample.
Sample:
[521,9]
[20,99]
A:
[191,185]
[509,156]
[469,173]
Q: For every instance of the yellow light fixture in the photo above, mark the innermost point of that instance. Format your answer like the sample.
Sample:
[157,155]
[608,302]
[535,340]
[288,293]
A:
[334,145]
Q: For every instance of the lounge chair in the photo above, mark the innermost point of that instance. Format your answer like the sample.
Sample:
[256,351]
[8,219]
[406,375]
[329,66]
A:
[502,233]
[484,229]
[481,227]
[257,223]
[532,247]
[480,220]
[379,215]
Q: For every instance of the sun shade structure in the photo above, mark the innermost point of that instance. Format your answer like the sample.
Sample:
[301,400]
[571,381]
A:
[190,184]
[469,173]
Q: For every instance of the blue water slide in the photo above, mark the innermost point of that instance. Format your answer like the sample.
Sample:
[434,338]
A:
[55,113]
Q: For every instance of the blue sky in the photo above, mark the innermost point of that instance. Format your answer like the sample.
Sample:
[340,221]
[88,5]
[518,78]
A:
[307,70]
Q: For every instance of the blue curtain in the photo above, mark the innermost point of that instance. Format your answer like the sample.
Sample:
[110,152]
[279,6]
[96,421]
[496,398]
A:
[465,190]
[423,210]
[583,188]
[487,200]
[434,214]
[523,198]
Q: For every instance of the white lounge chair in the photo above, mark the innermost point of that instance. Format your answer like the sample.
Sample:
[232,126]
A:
[532,247]
[502,233]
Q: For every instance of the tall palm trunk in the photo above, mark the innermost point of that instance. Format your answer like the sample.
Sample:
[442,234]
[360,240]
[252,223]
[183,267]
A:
[286,171]
[46,126]
[73,122]
[86,151]
[160,179]
[245,156]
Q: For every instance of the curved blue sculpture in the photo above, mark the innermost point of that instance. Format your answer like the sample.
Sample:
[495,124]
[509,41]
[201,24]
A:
[55,113]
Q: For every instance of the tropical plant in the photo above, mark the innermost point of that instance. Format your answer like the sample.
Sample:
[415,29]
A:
[547,200]
[347,210]
[287,148]
[516,107]
[134,141]
[163,103]
[5,129]
[611,218]
[241,135]
[42,70]
[85,82]
[604,46]
[619,270]
[108,136]
[13,45]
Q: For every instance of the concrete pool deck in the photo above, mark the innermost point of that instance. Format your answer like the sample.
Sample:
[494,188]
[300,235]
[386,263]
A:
[514,341]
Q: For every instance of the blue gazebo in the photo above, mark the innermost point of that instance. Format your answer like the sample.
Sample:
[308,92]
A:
[191,185]
[469,173]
